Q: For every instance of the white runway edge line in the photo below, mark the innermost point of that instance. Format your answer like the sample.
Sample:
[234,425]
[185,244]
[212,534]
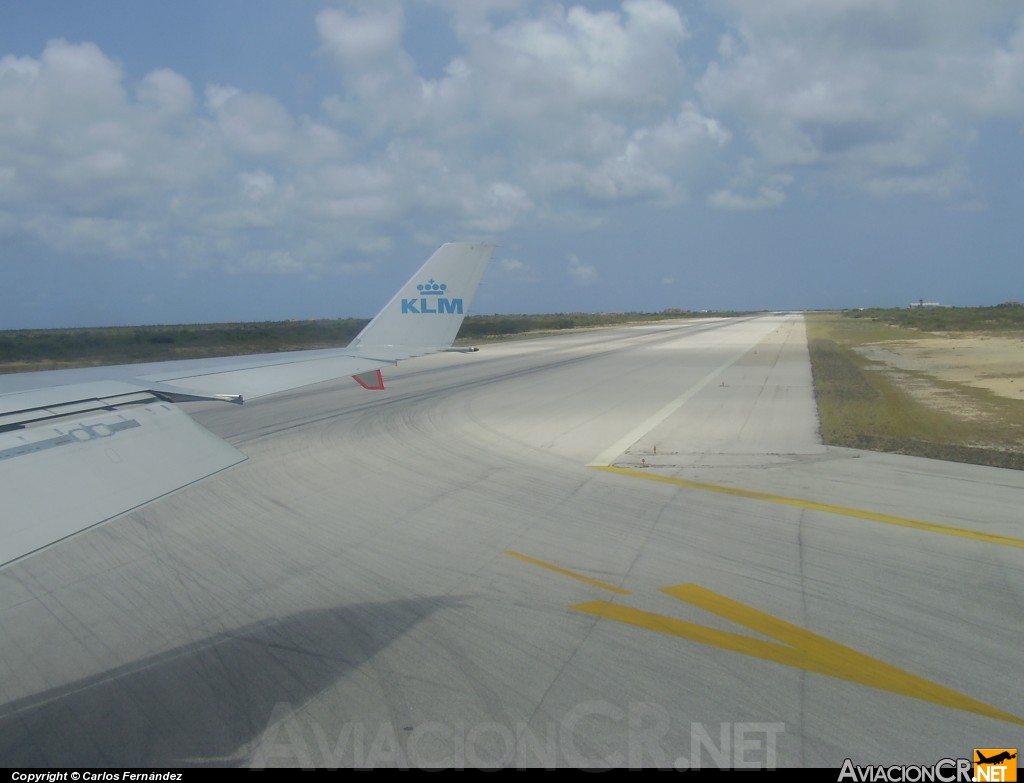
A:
[606,457]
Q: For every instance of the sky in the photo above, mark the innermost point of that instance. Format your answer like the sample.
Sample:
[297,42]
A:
[253,160]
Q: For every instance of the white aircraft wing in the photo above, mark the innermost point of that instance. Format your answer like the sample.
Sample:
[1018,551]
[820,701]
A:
[79,447]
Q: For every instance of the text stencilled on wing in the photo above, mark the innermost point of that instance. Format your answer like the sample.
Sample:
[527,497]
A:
[31,441]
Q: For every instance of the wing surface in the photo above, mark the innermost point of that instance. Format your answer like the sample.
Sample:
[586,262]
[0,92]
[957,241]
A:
[79,447]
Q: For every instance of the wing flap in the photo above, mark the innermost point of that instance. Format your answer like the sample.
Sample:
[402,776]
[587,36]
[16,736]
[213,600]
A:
[62,396]
[67,475]
[21,418]
[260,381]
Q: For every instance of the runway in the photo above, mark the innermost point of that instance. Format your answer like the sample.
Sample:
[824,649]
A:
[617,548]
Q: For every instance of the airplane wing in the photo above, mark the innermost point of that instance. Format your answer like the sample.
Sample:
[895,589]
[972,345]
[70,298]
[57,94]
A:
[79,447]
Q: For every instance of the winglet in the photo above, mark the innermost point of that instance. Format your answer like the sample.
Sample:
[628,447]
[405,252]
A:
[426,313]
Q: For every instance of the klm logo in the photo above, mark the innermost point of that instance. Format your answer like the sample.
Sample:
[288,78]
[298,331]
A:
[432,299]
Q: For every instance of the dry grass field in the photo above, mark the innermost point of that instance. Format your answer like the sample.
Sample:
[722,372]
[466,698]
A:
[955,395]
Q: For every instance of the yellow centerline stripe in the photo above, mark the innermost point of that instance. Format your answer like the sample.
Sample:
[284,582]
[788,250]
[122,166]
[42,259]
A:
[888,519]
[570,574]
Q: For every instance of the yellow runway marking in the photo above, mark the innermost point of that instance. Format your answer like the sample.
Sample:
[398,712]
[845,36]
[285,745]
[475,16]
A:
[570,574]
[887,519]
[796,647]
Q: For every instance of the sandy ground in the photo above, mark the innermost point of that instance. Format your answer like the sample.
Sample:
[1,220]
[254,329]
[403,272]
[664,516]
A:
[939,371]
[987,362]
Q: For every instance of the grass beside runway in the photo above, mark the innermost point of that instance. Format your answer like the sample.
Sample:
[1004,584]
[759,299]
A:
[863,404]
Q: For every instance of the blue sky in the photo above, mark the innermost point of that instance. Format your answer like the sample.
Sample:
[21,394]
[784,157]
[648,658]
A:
[269,159]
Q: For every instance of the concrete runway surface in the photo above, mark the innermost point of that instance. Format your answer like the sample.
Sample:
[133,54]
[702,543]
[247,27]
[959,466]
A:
[617,548]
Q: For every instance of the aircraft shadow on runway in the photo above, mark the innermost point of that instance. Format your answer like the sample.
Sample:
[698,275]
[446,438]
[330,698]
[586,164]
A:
[202,703]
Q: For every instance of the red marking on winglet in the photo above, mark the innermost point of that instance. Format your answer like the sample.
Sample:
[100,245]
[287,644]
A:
[373,381]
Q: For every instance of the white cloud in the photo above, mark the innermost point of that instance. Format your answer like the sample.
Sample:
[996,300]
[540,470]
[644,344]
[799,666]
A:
[764,197]
[382,89]
[651,160]
[881,95]
[254,125]
[513,265]
[751,189]
[276,262]
[564,60]
[88,167]
[77,144]
[581,273]
[502,204]
[1004,94]
[357,39]
[168,92]
[257,185]
[545,115]
[536,116]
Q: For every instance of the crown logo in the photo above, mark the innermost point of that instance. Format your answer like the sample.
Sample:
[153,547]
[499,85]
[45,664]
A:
[430,288]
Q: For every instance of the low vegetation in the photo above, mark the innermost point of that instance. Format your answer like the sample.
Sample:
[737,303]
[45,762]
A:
[865,404]
[46,349]
[1003,318]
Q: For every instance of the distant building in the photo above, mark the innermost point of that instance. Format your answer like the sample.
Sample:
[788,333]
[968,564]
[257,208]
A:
[922,303]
